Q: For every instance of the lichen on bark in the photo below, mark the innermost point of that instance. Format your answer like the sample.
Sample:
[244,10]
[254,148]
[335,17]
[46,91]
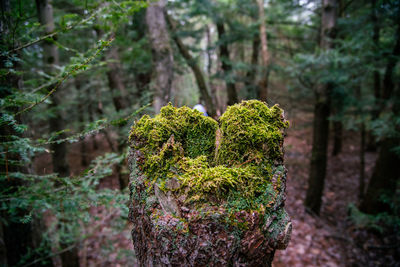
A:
[216,198]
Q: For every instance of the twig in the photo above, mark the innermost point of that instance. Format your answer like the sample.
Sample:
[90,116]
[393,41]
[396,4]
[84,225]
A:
[55,32]
[73,71]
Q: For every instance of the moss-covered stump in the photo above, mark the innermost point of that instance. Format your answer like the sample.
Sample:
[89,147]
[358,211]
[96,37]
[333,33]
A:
[208,193]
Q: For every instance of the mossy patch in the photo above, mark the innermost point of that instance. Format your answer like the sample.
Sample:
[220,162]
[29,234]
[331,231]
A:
[179,143]
[252,134]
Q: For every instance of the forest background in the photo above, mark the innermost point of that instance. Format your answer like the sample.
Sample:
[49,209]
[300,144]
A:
[75,75]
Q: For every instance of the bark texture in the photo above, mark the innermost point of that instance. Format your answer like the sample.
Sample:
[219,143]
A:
[162,54]
[321,113]
[172,226]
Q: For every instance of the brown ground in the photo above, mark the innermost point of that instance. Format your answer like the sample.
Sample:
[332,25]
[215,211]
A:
[328,240]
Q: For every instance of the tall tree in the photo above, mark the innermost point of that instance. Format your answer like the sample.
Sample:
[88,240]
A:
[386,172]
[321,113]
[162,53]
[263,85]
[51,59]
[225,62]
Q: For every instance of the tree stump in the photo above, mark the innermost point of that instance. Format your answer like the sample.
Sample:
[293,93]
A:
[208,193]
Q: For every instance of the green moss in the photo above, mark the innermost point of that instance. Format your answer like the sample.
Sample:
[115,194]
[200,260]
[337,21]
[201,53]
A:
[180,143]
[252,133]
[194,131]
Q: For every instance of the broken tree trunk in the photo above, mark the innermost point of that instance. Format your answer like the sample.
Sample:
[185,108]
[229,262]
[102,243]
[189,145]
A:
[209,195]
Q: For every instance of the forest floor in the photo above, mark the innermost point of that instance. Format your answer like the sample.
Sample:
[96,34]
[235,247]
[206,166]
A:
[328,240]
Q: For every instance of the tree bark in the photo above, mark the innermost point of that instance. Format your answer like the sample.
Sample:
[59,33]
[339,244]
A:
[263,85]
[226,64]
[162,54]
[317,174]
[169,229]
[198,74]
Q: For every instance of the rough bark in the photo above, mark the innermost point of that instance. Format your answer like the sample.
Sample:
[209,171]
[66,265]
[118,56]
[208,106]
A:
[226,64]
[198,74]
[263,85]
[169,229]
[162,54]
[321,113]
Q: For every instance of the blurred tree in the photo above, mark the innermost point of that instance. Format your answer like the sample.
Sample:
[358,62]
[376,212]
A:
[162,54]
[321,114]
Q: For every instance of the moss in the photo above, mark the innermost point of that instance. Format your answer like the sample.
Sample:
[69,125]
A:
[252,133]
[244,173]
[194,131]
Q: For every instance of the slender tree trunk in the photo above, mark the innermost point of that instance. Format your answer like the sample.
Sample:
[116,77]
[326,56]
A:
[250,79]
[162,54]
[226,64]
[115,81]
[337,137]
[263,85]
[51,59]
[317,174]
[57,123]
[198,74]
[362,163]
[386,172]
[213,88]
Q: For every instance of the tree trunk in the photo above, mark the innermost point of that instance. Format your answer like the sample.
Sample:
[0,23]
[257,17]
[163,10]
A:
[250,80]
[198,74]
[226,64]
[212,86]
[115,81]
[162,54]
[50,60]
[384,178]
[337,137]
[57,123]
[316,178]
[263,85]
[171,227]
[317,174]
